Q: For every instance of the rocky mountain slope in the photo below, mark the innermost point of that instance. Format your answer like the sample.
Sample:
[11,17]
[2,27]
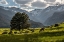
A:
[57,17]
[43,14]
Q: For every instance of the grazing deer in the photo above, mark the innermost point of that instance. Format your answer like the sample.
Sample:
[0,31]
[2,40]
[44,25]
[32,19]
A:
[42,29]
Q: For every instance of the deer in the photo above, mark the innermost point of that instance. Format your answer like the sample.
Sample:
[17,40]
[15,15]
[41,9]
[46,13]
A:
[42,29]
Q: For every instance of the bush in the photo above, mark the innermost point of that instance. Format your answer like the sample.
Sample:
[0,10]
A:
[56,25]
[4,33]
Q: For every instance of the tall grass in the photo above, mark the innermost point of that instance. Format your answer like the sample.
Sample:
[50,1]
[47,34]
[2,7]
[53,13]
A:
[54,34]
[19,38]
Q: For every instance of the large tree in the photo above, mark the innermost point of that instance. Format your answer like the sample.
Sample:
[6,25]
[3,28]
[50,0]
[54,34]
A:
[20,21]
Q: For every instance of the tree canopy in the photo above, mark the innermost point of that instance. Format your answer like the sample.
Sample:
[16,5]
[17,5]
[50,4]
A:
[20,21]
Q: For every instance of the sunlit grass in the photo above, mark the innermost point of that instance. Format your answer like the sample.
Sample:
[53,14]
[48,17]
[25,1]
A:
[54,34]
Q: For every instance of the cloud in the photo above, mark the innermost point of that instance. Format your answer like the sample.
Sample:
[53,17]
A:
[39,4]
[3,2]
[54,2]
[22,1]
[30,4]
[50,0]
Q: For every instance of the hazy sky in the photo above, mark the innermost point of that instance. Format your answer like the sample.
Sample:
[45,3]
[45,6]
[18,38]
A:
[29,4]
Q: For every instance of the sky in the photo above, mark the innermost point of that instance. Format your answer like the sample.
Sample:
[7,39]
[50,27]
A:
[30,4]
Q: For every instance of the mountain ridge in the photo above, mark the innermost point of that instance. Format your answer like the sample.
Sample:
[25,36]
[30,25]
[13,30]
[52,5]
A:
[57,17]
[38,15]
[6,15]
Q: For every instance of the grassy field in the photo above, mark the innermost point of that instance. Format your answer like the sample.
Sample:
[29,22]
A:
[54,34]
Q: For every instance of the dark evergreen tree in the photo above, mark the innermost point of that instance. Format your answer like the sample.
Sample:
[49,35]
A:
[20,21]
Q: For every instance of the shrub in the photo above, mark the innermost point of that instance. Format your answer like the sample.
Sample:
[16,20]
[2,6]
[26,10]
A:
[56,25]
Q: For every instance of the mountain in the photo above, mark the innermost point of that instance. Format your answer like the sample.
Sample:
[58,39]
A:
[5,17]
[38,15]
[57,17]
[35,24]
[42,15]
[6,14]
[35,14]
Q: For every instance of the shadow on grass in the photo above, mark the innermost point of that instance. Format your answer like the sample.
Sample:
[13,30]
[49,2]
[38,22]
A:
[51,34]
[60,40]
[19,38]
[56,28]
[31,38]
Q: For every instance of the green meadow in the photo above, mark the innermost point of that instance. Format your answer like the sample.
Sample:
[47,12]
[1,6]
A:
[54,34]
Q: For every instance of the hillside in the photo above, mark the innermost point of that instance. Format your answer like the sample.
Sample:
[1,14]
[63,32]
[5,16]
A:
[57,17]
[7,13]
[42,16]
[5,17]
[36,24]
